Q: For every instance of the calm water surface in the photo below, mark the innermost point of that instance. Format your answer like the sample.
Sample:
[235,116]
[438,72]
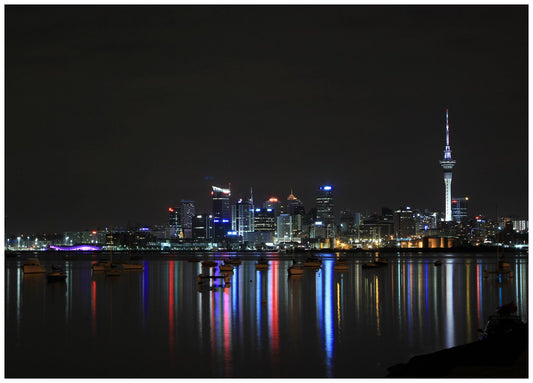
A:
[160,323]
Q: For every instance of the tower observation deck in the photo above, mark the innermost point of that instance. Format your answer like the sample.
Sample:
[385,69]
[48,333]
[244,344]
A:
[447,164]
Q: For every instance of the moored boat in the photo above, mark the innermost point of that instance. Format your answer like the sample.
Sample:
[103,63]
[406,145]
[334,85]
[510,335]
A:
[262,264]
[503,322]
[225,267]
[312,262]
[33,266]
[340,265]
[209,264]
[114,270]
[56,275]
[296,270]
[101,265]
[127,266]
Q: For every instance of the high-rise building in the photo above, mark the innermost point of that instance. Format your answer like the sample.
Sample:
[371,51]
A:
[275,204]
[264,220]
[264,225]
[174,222]
[242,217]
[284,228]
[187,214]
[202,227]
[295,208]
[325,209]
[404,223]
[346,223]
[447,164]
[221,211]
[460,209]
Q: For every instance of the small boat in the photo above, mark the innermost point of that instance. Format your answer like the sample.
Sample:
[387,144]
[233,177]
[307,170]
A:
[262,264]
[370,265]
[296,270]
[225,267]
[33,266]
[503,322]
[101,265]
[56,275]
[209,264]
[114,270]
[232,261]
[127,266]
[340,265]
[312,262]
[438,263]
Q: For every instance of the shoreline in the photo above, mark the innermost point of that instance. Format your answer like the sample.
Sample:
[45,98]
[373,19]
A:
[504,356]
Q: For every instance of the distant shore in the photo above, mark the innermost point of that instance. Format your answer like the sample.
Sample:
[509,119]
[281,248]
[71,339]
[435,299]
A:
[299,252]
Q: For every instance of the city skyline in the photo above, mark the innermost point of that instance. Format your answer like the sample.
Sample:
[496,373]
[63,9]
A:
[114,113]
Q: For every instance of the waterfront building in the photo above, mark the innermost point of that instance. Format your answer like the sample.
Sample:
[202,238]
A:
[202,227]
[325,209]
[221,212]
[459,209]
[520,225]
[275,204]
[295,208]
[284,228]
[188,211]
[346,224]
[174,222]
[264,220]
[242,217]
[447,164]
[404,223]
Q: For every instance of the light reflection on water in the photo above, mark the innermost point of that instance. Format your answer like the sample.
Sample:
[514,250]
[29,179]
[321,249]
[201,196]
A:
[161,323]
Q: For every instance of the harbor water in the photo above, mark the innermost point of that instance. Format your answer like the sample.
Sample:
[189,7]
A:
[161,322]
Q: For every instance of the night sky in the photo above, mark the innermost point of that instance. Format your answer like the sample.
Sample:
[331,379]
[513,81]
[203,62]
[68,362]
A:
[115,113]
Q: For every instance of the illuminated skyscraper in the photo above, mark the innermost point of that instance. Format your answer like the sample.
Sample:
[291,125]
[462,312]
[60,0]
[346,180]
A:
[460,209]
[174,221]
[275,204]
[324,209]
[187,213]
[447,164]
[221,211]
[295,208]
[242,217]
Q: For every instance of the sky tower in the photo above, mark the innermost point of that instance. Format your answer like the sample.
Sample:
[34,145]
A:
[447,165]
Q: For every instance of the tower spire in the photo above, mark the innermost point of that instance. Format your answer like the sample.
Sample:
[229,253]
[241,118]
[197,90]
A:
[447,164]
[447,149]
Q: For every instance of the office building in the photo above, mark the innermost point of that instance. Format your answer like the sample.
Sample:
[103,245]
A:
[275,204]
[174,222]
[325,210]
[404,223]
[202,227]
[221,212]
[284,228]
[187,213]
[242,217]
[460,209]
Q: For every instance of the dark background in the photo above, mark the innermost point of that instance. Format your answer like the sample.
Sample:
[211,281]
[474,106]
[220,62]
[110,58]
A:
[114,113]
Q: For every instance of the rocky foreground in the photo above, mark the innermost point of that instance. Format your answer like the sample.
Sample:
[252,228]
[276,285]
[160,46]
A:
[504,356]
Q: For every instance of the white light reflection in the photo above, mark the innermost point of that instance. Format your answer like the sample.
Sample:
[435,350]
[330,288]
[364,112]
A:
[450,325]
